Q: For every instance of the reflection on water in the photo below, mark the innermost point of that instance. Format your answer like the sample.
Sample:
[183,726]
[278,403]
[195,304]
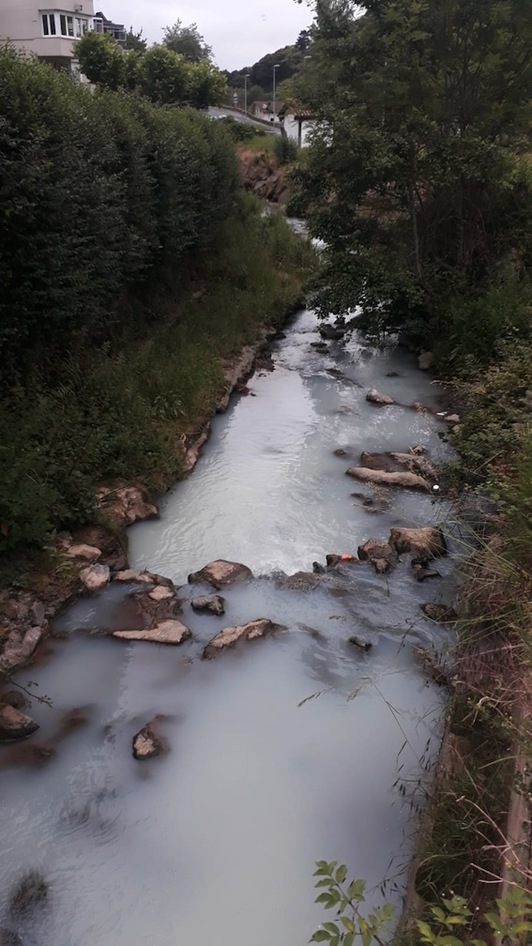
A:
[281,752]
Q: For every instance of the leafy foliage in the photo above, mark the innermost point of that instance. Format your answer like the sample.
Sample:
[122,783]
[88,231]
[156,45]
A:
[415,180]
[187,41]
[159,73]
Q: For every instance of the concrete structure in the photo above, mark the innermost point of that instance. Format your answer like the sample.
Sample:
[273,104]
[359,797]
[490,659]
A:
[298,125]
[50,31]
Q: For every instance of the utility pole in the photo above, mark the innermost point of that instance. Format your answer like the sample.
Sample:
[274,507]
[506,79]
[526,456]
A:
[273,102]
[246,77]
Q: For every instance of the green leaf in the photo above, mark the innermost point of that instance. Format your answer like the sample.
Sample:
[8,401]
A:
[320,936]
[341,874]
[425,931]
[348,924]
[349,939]
[331,928]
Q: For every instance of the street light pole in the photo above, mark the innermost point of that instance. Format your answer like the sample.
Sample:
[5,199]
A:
[273,103]
[246,77]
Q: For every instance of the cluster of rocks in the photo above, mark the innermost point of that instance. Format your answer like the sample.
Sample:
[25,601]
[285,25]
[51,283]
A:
[261,175]
[411,470]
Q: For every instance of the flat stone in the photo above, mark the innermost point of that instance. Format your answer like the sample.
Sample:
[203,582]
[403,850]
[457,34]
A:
[14,724]
[300,581]
[126,504]
[19,647]
[452,418]
[214,604]
[132,574]
[381,400]
[167,632]
[230,636]
[428,542]
[383,478]
[95,577]
[149,742]
[220,573]
[160,593]
[87,552]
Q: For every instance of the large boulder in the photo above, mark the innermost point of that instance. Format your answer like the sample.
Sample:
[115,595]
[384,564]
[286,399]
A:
[19,645]
[214,604]
[167,632]
[15,725]
[88,553]
[331,332]
[142,578]
[230,636]
[427,542]
[126,504]
[149,742]
[381,555]
[382,478]
[221,573]
[111,543]
[95,577]
[381,400]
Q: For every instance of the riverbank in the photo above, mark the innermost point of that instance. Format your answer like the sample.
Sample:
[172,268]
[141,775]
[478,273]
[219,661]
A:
[139,416]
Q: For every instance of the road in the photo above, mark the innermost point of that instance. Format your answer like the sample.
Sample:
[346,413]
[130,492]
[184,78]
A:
[240,117]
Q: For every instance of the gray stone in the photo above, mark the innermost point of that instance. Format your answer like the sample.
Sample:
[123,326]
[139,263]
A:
[214,604]
[383,478]
[220,573]
[230,636]
[300,581]
[15,725]
[381,555]
[381,400]
[167,632]
[361,644]
[95,577]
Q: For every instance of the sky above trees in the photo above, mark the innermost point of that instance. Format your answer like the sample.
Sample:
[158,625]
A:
[240,31]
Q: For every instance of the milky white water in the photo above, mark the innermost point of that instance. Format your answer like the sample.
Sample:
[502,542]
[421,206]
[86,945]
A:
[284,751]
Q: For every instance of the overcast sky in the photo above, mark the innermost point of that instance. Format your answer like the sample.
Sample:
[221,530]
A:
[239,31]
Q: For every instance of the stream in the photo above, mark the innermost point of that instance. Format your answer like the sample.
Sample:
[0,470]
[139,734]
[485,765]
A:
[283,750]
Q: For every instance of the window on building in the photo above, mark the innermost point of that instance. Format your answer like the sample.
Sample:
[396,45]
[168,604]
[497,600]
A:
[97,26]
[82,26]
[48,24]
[67,24]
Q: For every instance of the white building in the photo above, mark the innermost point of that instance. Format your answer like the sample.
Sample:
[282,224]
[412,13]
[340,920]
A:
[298,124]
[49,32]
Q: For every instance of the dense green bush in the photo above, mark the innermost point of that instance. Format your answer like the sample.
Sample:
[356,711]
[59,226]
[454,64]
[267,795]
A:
[285,150]
[96,192]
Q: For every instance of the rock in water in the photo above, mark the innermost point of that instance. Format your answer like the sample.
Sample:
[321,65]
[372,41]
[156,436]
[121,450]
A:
[15,725]
[382,478]
[214,604]
[381,555]
[95,577]
[428,542]
[149,742]
[220,573]
[167,632]
[381,400]
[229,636]
[8,938]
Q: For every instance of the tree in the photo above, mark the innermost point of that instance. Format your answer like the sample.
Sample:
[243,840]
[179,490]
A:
[303,41]
[102,60]
[187,41]
[163,76]
[135,41]
[423,109]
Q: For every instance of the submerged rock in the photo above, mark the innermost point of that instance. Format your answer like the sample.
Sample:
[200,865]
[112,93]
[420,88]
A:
[230,636]
[149,742]
[8,938]
[220,573]
[421,572]
[383,478]
[428,542]
[168,632]
[441,613]
[214,604]
[331,332]
[15,725]
[381,400]
[95,577]
[300,581]
[361,644]
[31,890]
